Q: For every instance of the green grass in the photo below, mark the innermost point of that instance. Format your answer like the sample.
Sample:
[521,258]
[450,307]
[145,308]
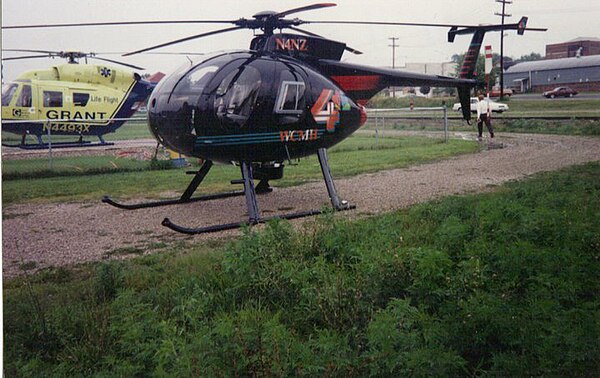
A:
[72,166]
[555,106]
[502,284]
[533,126]
[561,127]
[356,155]
[131,130]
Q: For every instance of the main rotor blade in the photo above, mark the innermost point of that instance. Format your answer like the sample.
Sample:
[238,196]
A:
[175,53]
[185,39]
[150,53]
[33,51]
[508,26]
[347,48]
[305,8]
[119,23]
[388,23]
[117,62]
[28,57]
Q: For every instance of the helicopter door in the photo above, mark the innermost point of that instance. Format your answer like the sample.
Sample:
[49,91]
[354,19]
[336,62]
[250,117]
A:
[290,103]
[52,103]
[237,94]
[24,106]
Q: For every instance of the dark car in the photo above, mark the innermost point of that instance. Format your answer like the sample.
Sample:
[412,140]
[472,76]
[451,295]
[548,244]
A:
[560,92]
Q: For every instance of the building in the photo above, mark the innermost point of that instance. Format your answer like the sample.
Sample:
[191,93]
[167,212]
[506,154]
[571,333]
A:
[155,77]
[580,73]
[574,48]
[443,69]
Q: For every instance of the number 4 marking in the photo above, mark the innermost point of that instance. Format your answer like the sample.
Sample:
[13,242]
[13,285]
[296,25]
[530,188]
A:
[327,109]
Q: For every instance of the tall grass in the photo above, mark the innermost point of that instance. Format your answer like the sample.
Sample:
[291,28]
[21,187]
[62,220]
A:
[503,283]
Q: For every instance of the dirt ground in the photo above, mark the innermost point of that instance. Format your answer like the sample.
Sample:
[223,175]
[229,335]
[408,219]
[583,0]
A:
[39,236]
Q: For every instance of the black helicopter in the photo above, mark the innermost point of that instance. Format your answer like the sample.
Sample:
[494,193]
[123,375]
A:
[287,97]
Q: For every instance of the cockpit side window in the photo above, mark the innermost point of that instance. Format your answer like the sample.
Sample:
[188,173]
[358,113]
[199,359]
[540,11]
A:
[24,99]
[53,99]
[8,91]
[238,92]
[292,92]
[290,99]
[80,99]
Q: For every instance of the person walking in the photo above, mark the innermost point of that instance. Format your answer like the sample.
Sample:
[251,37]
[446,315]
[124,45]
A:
[484,115]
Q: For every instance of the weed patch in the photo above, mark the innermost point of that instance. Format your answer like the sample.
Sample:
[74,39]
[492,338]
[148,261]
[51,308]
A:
[124,251]
[8,216]
[503,283]
[29,265]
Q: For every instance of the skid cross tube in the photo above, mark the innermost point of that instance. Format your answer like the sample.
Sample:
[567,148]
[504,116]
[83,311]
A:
[252,204]
[41,145]
[185,197]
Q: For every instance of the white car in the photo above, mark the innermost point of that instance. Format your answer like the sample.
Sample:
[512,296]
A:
[494,106]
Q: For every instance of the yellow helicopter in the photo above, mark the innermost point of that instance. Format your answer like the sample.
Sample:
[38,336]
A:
[71,99]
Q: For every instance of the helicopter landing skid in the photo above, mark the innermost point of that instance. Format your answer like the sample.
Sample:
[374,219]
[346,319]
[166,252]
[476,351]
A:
[186,197]
[252,204]
[47,146]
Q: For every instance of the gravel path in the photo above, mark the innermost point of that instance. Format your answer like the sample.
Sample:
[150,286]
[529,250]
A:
[38,236]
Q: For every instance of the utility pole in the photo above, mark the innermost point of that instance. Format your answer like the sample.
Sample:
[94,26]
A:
[393,46]
[503,15]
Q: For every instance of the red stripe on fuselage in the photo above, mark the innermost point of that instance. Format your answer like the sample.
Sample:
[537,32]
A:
[358,82]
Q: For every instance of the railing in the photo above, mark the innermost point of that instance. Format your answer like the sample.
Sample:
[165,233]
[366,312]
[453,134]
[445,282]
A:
[48,129]
[380,116]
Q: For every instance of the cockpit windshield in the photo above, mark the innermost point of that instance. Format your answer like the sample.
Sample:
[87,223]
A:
[8,91]
[194,76]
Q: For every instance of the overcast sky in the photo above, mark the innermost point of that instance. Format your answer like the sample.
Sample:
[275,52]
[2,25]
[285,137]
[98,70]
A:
[565,20]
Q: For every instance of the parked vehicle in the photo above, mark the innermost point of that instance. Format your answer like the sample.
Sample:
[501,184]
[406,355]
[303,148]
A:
[495,92]
[560,92]
[495,107]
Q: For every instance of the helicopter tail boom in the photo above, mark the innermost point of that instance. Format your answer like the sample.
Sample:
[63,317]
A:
[362,82]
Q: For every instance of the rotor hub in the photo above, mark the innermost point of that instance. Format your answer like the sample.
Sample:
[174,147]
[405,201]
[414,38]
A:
[264,15]
[267,21]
